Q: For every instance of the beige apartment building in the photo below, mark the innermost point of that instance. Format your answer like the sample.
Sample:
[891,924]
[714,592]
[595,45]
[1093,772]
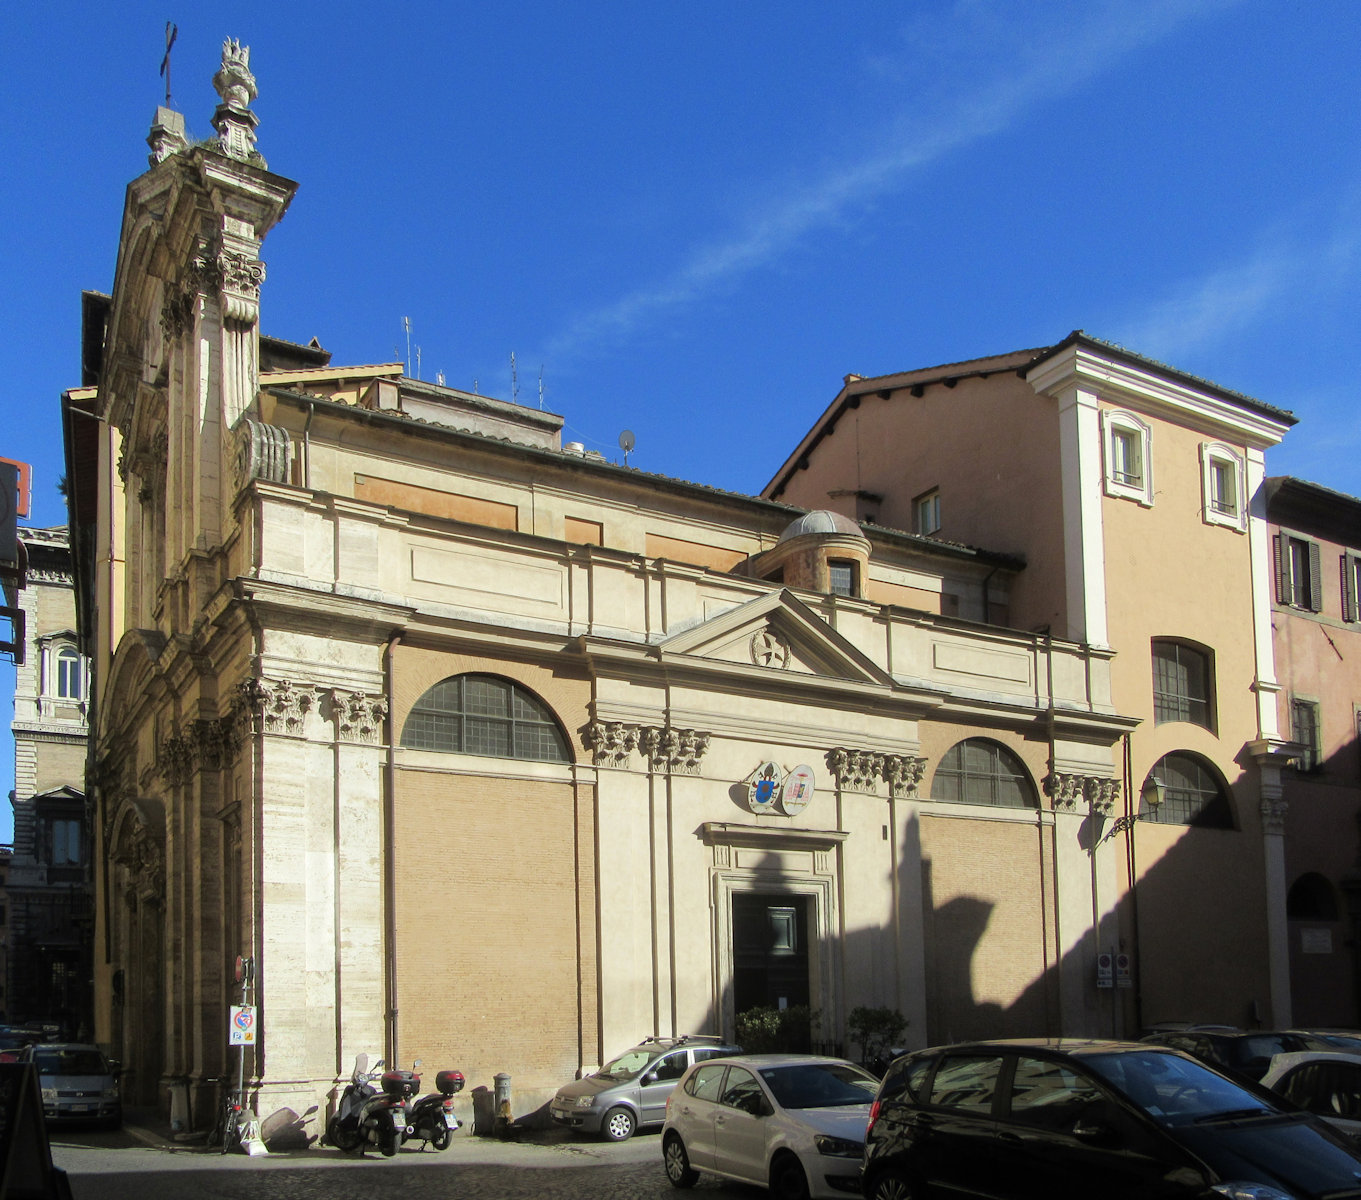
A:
[1133,493]
[501,756]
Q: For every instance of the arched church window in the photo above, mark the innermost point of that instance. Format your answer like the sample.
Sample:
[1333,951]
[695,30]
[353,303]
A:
[1192,793]
[979,771]
[483,714]
[1311,898]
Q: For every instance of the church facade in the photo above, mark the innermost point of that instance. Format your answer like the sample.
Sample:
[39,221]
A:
[497,755]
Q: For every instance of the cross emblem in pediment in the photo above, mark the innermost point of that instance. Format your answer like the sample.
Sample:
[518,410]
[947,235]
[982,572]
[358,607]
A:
[769,649]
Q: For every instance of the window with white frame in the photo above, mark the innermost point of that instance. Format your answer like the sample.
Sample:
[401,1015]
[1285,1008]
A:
[1222,491]
[69,674]
[926,512]
[1127,444]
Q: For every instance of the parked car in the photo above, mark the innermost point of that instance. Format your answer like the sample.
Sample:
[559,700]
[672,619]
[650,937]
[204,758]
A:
[12,1042]
[1326,1084]
[630,1090]
[1345,1041]
[1071,1119]
[77,1082]
[1242,1053]
[792,1122]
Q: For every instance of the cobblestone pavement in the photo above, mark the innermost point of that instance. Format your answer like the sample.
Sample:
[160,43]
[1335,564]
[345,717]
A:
[137,1165]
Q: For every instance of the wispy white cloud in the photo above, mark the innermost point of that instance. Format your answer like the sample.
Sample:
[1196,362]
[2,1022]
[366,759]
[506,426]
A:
[1077,43]
[1232,298]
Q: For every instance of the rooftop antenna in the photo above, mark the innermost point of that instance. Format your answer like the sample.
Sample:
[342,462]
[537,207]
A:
[172,31]
[626,443]
[514,381]
[541,387]
[406,324]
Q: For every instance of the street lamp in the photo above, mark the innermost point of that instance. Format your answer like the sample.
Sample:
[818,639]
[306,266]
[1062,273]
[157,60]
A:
[1151,796]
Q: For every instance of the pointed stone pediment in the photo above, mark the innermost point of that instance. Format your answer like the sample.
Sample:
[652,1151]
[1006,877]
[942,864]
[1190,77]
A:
[776,633]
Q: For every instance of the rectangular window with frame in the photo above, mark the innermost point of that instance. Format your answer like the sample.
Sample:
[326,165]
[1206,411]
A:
[1304,728]
[1127,442]
[1127,460]
[65,843]
[842,577]
[1222,486]
[1299,575]
[926,513]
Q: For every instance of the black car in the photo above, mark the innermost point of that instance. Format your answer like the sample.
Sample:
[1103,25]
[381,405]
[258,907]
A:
[1238,1052]
[1071,1120]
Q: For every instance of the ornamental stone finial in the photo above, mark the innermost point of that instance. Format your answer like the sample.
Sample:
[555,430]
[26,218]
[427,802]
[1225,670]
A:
[234,121]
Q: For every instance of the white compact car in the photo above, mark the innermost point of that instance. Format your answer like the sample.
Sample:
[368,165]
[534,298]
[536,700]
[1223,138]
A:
[792,1122]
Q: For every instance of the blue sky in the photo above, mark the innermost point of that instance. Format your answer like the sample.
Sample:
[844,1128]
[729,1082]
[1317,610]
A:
[695,218]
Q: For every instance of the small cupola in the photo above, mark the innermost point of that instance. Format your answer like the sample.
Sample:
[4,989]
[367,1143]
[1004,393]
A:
[822,551]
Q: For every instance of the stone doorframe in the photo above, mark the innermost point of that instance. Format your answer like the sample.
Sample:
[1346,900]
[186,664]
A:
[798,863]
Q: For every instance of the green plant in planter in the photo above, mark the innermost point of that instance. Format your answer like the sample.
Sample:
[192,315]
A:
[876,1030]
[776,1030]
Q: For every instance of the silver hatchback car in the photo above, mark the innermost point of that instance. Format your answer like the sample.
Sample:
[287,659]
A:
[77,1082]
[631,1090]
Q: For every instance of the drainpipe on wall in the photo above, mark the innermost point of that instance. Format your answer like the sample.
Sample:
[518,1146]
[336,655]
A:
[389,841]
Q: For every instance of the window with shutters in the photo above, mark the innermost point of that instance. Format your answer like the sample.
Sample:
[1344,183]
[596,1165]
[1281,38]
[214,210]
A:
[1351,586]
[1299,580]
[1304,729]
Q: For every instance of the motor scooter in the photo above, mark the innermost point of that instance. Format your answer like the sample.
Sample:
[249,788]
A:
[371,1114]
[431,1118]
[343,1130]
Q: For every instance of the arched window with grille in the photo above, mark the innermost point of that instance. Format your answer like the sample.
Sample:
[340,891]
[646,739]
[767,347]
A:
[1192,793]
[1183,683]
[486,715]
[980,771]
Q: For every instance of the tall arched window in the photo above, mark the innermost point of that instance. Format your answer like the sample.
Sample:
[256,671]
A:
[69,676]
[979,771]
[1192,794]
[482,714]
[1182,684]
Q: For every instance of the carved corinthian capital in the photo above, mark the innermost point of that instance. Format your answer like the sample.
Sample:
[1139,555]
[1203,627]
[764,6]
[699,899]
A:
[1097,794]
[277,705]
[674,751]
[903,774]
[1273,815]
[610,742]
[358,715]
[855,770]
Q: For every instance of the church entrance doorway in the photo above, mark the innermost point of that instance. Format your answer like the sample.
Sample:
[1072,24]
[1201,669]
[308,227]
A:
[769,950]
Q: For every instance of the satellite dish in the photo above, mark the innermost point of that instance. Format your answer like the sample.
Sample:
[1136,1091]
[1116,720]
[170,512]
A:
[626,441]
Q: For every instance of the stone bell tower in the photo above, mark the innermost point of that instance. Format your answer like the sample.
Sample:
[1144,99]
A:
[181,362]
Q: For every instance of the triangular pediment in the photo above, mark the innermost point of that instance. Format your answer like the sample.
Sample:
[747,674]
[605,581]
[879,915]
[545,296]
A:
[778,633]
